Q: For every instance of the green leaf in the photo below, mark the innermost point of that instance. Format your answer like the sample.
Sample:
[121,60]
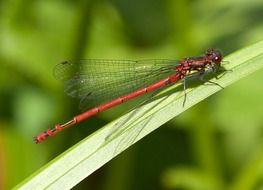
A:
[189,178]
[87,156]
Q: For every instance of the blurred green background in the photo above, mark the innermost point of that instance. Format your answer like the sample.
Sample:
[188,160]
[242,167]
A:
[218,144]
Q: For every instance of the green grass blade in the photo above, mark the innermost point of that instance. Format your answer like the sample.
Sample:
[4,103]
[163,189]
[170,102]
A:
[87,156]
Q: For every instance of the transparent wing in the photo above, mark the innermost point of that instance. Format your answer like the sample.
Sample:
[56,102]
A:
[95,81]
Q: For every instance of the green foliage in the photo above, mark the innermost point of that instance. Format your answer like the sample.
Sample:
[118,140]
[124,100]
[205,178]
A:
[215,144]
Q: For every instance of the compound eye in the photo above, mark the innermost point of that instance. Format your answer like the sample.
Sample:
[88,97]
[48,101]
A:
[217,59]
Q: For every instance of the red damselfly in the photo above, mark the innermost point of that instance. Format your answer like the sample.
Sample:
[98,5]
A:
[112,82]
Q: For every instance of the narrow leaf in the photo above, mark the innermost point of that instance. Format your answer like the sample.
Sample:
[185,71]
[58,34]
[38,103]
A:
[87,156]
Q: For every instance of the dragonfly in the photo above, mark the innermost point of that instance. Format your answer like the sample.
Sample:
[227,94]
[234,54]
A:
[108,83]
